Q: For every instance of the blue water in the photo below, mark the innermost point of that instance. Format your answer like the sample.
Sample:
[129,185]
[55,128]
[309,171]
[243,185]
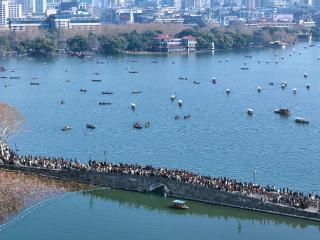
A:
[220,139]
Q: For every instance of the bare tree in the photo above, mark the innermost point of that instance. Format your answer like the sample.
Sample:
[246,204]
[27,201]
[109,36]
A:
[11,121]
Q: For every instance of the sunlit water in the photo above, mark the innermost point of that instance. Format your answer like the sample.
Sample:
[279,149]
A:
[220,139]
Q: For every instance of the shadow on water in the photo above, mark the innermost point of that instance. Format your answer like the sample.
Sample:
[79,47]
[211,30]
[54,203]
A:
[158,203]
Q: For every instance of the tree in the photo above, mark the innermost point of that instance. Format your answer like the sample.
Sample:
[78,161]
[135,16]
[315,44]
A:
[11,121]
[78,44]
[113,45]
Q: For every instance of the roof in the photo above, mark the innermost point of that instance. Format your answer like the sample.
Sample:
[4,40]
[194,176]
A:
[179,202]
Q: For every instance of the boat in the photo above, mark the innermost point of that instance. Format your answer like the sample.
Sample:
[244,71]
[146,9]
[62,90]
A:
[14,77]
[2,69]
[308,86]
[133,106]
[228,91]
[105,103]
[154,61]
[147,124]
[301,120]
[133,71]
[244,68]
[183,78]
[35,83]
[180,103]
[187,116]
[259,89]
[137,125]
[66,128]
[96,73]
[90,126]
[99,62]
[4,77]
[214,80]
[107,92]
[177,117]
[179,204]
[250,111]
[294,91]
[305,75]
[283,111]
[136,92]
[83,90]
[196,82]
[96,80]
[271,83]
[173,97]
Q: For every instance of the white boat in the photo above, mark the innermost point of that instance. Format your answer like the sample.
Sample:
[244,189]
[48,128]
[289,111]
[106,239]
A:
[305,75]
[180,102]
[301,120]
[228,90]
[294,91]
[173,97]
[259,89]
[133,106]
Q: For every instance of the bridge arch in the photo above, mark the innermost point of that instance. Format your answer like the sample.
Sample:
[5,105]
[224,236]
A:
[158,188]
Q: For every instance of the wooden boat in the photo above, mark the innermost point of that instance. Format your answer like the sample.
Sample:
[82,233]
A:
[183,78]
[179,204]
[4,77]
[244,68]
[90,126]
[283,111]
[136,92]
[14,77]
[250,111]
[105,103]
[107,92]
[35,83]
[196,82]
[83,90]
[96,80]
[133,71]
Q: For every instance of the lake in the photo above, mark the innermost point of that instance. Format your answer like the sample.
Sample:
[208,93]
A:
[219,139]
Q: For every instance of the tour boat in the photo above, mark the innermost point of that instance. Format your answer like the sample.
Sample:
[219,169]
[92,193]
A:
[301,120]
[66,128]
[283,111]
[179,204]
[137,125]
[250,111]
[90,126]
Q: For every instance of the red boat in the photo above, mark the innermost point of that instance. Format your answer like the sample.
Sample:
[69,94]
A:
[179,204]
[137,125]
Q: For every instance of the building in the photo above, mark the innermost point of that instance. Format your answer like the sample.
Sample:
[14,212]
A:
[4,13]
[25,24]
[15,11]
[76,22]
[39,7]
[166,43]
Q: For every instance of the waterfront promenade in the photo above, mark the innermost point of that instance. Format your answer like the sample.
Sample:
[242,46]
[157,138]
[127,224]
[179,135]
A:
[172,182]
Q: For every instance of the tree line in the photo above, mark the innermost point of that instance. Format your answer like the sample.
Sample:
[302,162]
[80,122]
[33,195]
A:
[223,38]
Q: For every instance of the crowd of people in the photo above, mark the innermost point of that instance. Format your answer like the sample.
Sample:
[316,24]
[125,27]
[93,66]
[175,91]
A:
[267,194]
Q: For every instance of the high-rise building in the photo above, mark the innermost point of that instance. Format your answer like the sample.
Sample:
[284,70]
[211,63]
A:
[39,7]
[4,13]
[15,10]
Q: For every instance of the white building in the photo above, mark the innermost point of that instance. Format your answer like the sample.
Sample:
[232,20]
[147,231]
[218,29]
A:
[39,7]
[15,11]
[4,13]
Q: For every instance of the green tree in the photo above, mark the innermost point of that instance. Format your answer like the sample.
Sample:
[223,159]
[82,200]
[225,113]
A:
[113,45]
[78,44]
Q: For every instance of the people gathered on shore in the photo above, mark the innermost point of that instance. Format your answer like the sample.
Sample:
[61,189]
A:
[267,193]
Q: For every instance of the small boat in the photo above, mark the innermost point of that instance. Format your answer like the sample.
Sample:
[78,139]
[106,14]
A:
[183,78]
[99,62]
[133,106]
[179,204]
[305,75]
[133,71]
[308,86]
[271,83]
[4,77]
[66,128]
[34,78]
[154,61]
[107,93]
[214,80]
[244,68]
[250,111]
[83,90]
[173,97]
[2,69]
[96,73]
[228,91]
[267,61]
[90,126]
[62,102]
[283,111]
[294,91]
[301,120]
[277,61]
[196,82]
[105,103]
[14,77]
[177,117]
[259,89]
[96,80]
[180,103]
[137,125]
[259,61]
[136,92]
[187,116]
[68,80]
[35,83]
